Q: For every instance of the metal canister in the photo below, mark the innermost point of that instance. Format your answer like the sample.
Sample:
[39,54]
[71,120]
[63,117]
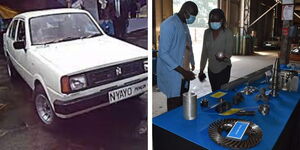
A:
[189,105]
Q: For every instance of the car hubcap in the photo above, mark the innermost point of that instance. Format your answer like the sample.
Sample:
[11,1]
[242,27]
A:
[43,108]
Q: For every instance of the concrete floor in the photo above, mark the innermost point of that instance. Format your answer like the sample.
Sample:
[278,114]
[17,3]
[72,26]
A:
[110,128]
[241,66]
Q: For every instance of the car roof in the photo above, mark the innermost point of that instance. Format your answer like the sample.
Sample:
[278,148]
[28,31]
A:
[31,14]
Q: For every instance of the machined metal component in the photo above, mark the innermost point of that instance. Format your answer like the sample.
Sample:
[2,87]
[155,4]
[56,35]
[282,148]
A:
[264,109]
[221,100]
[275,77]
[262,95]
[294,84]
[238,98]
[250,78]
[189,105]
[204,102]
[253,132]
[223,106]
[245,113]
[248,90]
[286,82]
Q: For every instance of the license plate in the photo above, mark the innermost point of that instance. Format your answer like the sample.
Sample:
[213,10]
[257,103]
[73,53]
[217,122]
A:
[268,44]
[126,92]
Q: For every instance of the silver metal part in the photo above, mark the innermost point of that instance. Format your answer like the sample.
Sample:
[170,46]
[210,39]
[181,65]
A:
[294,84]
[288,80]
[189,105]
[275,77]
[262,95]
[248,90]
[264,109]
[250,78]
[204,102]
[254,134]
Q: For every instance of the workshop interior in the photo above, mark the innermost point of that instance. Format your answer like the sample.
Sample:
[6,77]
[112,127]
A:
[259,107]
[74,74]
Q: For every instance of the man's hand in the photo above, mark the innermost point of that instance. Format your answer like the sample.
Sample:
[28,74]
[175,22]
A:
[201,75]
[187,75]
[193,67]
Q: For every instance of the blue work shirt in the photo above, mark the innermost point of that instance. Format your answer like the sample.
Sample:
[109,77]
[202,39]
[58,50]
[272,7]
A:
[172,45]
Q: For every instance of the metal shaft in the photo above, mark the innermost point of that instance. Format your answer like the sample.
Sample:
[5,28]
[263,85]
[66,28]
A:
[275,77]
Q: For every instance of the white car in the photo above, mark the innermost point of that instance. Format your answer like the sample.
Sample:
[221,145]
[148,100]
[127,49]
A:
[71,65]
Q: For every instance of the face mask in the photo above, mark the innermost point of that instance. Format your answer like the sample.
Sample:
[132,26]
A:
[215,25]
[191,20]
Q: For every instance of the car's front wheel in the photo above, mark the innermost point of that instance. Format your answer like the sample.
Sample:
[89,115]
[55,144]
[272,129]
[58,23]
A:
[43,108]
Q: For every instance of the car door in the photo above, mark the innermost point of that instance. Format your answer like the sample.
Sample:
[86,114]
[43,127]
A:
[11,36]
[22,55]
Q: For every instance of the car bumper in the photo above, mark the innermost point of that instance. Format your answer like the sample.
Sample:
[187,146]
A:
[71,108]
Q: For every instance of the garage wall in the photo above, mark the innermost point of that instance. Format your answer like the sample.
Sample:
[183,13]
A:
[265,26]
[232,13]
[162,10]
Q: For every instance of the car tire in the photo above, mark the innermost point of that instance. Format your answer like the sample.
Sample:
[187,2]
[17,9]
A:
[44,109]
[11,71]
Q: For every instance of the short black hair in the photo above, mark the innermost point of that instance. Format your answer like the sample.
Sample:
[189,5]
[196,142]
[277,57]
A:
[189,6]
[217,15]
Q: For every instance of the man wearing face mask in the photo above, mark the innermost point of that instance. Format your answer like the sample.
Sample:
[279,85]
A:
[217,49]
[175,61]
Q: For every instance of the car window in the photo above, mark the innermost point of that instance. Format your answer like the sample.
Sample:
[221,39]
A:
[51,28]
[12,30]
[21,31]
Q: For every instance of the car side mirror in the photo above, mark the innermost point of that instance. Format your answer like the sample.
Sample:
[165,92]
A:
[19,45]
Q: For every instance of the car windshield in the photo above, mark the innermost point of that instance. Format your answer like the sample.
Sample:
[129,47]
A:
[62,27]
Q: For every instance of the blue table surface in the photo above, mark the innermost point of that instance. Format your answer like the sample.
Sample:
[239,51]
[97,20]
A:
[196,131]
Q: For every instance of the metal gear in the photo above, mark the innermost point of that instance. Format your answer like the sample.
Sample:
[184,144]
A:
[253,132]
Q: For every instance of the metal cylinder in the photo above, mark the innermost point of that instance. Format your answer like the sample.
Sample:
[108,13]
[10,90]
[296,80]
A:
[295,84]
[189,105]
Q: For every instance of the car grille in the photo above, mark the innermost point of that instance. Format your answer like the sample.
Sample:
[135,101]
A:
[114,73]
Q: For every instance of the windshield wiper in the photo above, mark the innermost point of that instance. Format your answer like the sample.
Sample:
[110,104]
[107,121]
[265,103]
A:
[61,40]
[91,35]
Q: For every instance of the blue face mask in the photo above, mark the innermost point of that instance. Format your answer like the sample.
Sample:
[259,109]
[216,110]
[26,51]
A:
[215,25]
[191,20]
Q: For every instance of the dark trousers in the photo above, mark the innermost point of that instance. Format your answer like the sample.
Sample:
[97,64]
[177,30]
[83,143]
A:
[175,102]
[218,79]
[120,27]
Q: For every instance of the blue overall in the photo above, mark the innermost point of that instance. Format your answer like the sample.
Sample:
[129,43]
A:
[172,45]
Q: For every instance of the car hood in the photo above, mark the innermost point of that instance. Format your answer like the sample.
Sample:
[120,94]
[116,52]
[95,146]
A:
[82,55]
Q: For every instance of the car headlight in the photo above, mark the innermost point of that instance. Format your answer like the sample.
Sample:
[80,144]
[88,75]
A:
[78,82]
[146,65]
